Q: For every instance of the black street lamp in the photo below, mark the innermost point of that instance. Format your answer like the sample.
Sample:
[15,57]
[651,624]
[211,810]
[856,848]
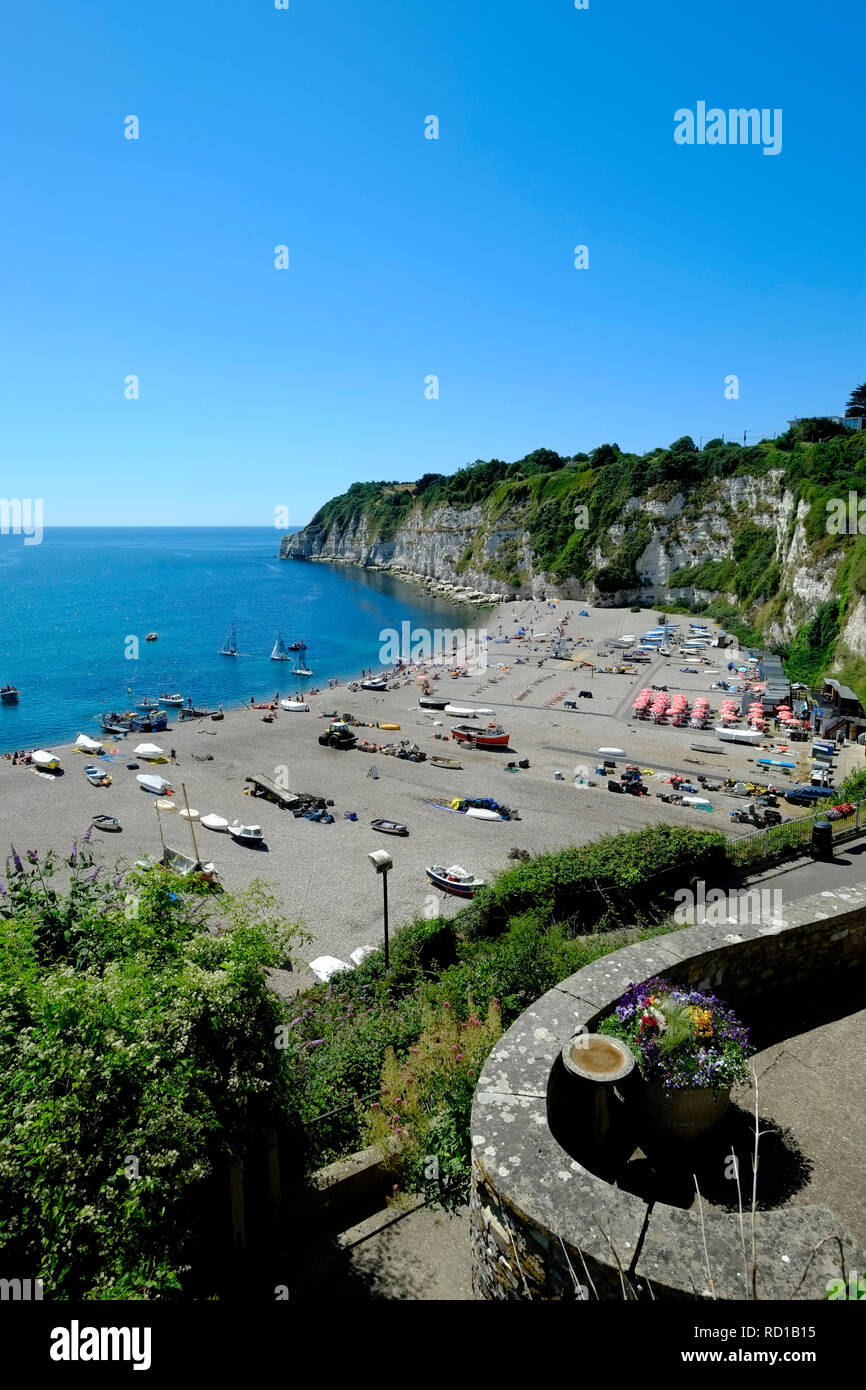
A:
[382,862]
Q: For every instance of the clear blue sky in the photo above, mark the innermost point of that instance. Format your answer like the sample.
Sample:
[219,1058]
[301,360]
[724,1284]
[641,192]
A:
[409,256]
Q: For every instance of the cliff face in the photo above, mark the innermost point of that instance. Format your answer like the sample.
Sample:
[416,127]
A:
[432,545]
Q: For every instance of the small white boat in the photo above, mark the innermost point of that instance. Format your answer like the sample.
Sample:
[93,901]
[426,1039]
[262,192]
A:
[213,822]
[158,786]
[88,745]
[750,736]
[456,880]
[280,651]
[292,705]
[462,711]
[190,814]
[174,699]
[613,752]
[165,805]
[372,683]
[700,803]
[148,751]
[481,813]
[96,776]
[45,761]
[249,834]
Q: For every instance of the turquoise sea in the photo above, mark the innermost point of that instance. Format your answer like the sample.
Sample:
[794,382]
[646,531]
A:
[69,605]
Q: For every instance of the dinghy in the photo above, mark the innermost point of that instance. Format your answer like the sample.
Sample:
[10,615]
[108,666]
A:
[456,880]
[106,823]
[279,651]
[450,763]
[494,736]
[613,752]
[390,827]
[480,813]
[430,702]
[175,699]
[294,705]
[751,736]
[190,813]
[230,645]
[213,822]
[96,777]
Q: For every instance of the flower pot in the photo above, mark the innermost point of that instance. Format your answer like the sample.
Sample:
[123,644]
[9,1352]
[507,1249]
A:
[684,1114]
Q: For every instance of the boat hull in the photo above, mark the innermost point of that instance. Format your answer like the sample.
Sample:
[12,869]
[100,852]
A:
[457,889]
[479,738]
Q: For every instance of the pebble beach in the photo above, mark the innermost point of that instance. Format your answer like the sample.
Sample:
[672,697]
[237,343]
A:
[321,873]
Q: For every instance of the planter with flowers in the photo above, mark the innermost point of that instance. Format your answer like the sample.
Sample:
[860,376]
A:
[689,1049]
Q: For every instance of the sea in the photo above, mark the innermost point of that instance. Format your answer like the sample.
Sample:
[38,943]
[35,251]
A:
[75,610]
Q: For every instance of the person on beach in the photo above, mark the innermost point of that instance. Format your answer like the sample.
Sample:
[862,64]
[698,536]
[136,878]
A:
[173,756]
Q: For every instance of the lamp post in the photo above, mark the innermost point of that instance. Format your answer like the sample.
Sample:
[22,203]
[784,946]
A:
[382,863]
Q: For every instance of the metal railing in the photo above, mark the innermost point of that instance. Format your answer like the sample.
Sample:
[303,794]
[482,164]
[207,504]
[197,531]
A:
[793,834]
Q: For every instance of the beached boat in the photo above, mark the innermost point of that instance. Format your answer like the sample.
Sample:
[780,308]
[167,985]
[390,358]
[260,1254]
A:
[475,736]
[374,683]
[230,645]
[96,777]
[45,761]
[431,702]
[88,745]
[279,651]
[214,822]
[456,880]
[465,713]
[293,706]
[106,823]
[247,834]
[157,786]
[451,763]
[613,752]
[482,813]
[751,736]
[390,827]
[174,699]
[151,752]
[9,695]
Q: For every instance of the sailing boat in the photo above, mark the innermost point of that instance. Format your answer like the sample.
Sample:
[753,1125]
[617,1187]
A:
[280,651]
[300,670]
[230,645]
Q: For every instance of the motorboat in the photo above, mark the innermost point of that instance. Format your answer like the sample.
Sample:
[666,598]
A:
[373,683]
[474,736]
[174,699]
[294,705]
[45,761]
[152,637]
[247,834]
[96,777]
[297,646]
[456,880]
[213,822]
[110,823]
[157,786]
[390,827]
[9,695]
[431,702]
[146,704]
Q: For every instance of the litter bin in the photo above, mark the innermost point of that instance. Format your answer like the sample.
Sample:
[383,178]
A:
[822,838]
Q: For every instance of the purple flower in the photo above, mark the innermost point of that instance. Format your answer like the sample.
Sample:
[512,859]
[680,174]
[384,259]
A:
[118,880]
[3,890]
[32,856]
[73,853]
[91,878]
[85,839]
[316,1042]
[16,861]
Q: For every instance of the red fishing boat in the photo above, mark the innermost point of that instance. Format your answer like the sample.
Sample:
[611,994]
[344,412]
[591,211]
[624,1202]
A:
[475,736]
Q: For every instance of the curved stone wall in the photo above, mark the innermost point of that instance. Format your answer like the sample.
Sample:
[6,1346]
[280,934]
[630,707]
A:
[544,1226]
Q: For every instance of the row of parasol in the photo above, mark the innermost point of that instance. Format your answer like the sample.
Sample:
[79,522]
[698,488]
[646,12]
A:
[659,706]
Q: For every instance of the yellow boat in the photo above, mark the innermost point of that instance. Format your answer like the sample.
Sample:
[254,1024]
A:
[389,726]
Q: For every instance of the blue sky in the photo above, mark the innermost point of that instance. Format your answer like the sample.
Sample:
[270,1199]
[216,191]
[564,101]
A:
[409,257]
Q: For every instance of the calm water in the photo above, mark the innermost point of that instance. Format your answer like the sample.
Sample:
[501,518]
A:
[67,607]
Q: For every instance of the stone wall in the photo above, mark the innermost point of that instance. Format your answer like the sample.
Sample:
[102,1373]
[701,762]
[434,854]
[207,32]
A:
[546,1227]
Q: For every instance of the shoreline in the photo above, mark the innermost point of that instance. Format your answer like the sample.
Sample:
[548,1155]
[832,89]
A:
[321,873]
